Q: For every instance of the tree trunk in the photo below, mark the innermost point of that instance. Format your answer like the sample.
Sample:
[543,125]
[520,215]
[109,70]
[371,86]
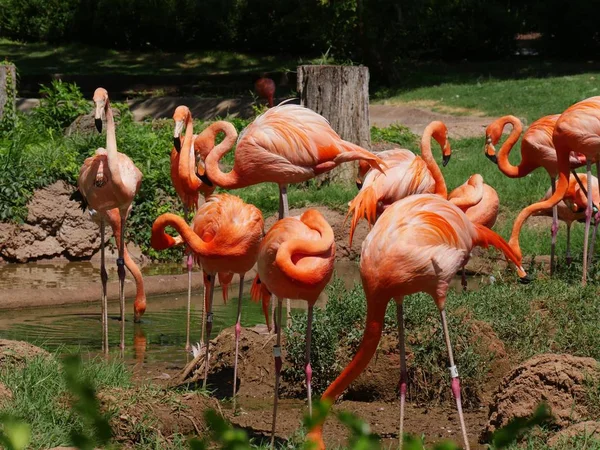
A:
[341,95]
[8,91]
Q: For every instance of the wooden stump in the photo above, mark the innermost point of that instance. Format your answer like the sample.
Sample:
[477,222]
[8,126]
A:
[341,95]
[8,89]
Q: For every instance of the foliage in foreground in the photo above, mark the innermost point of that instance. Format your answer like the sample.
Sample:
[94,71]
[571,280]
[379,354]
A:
[89,426]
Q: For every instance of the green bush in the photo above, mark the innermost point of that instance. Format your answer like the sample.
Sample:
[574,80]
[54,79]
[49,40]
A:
[60,104]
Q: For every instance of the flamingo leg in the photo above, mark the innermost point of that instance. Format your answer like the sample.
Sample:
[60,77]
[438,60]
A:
[277,357]
[568,256]
[554,230]
[307,367]
[403,377]
[203,319]
[238,331]
[104,279]
[284,211]
[121,272]
[588,219]
[463,279]
[596,223]
[190,263]
[209,320]
[455,380]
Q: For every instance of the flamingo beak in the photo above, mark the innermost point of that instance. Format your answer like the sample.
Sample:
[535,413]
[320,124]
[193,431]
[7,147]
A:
[359,184]
[177,134]
[490,151]
[177,144]
[446,160]
[98,115]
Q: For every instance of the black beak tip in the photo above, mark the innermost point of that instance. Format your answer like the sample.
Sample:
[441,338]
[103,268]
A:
[98,123]
[446,160]
[177,144]
[492,158]
[359,185]
[525,280]
[204,178]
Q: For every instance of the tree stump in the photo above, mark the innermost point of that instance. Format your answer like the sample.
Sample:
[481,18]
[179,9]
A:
[8,91]
[341,95]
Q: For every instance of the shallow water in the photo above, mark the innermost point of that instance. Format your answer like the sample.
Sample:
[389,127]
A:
[160,337]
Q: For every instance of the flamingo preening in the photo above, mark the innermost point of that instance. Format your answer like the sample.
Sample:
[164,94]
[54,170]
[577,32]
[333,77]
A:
[417,245]
[225,236]
[109,180]
[295,261]
[265,88]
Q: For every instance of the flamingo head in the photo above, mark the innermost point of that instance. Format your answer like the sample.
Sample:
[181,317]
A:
[440,134]
[101,101]
[363,168]
[180,115]
[492,136]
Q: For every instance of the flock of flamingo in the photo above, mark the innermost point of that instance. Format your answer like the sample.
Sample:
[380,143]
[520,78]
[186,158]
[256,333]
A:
[421,235]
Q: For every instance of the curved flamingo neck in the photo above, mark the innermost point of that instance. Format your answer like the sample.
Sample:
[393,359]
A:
[426,154]
[231,180]
[161,240]
[561,188]
[112,154]
[324,247]
[186,167]
[469,194]
[503,163]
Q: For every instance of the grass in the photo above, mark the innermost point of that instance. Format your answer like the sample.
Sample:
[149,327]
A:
[78,59]
[528,94]
[41,396]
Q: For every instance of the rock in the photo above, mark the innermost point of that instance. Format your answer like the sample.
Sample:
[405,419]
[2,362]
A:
[55,226]
[558,380]
[17,352]
[590,429]
[85,124]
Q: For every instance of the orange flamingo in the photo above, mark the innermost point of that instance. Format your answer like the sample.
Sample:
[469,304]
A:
[408,174]
[576,130]
[109,180]
[537,150]
[185,178]
[225,236]
[417,245]
[265,88]
[295,261]
[286,144]
[572,207]
[480,202]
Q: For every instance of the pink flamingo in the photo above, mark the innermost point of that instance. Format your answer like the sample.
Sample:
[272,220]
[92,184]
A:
[225,237]
[265,88]
[109,180]
[295,261]
[417,245]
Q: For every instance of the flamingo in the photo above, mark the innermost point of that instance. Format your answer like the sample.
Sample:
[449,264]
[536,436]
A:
[537,150]
[186,182]
[225,236]
[265,88]
[408,174]
[572,207]
[417,245]
[109,180]
[295,260]
[480,202]
[576,130]
[286,144]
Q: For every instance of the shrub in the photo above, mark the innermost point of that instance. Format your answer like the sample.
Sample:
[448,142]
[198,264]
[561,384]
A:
[60,104]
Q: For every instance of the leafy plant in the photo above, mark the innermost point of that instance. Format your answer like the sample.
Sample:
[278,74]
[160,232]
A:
[60,104]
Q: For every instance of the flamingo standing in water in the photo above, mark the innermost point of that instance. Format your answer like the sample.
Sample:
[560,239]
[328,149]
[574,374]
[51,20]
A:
[537,150]
[408,174]
[109,180]
[188,185]
[577,130]
[295,261]
[417,245]
[265,88]
[572,207]
[225,237]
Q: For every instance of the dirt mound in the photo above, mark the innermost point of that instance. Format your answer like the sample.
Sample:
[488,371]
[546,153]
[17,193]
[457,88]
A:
[590,429]
[336,219]
[163,410]
[558,380]
[17,352]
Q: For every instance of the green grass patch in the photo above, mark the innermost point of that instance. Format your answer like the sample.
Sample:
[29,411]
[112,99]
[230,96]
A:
[41,396]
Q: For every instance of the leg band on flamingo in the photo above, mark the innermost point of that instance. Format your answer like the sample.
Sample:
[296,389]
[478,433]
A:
[277,356]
